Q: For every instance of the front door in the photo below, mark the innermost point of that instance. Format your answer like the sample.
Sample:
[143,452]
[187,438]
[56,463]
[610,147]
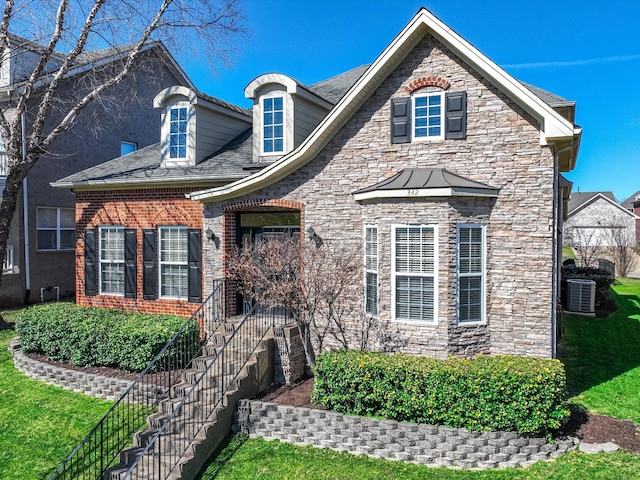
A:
[263,226]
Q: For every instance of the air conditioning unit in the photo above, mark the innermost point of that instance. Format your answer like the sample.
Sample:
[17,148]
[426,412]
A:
[581,296]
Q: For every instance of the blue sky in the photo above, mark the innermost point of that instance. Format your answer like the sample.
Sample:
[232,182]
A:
[587,51]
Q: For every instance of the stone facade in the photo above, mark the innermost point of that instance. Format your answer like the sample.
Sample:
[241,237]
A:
[502,149]
[139,209]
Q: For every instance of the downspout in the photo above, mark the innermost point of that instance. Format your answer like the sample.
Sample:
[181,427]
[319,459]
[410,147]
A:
[555,280]
[25,214]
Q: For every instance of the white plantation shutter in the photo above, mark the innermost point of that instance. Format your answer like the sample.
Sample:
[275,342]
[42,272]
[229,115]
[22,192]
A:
[470,289]
[415,273]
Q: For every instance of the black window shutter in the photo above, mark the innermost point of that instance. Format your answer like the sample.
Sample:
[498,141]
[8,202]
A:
[90,277]
[195,261]
[400,120]
[130,255]
[149,290]
[456,115]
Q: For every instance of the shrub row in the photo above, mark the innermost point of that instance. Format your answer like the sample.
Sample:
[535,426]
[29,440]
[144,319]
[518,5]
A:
[506,393]
[603,280]
[88,337]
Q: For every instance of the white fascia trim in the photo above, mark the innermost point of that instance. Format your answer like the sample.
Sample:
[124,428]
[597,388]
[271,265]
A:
[552,123]
[554,126]
[425,192]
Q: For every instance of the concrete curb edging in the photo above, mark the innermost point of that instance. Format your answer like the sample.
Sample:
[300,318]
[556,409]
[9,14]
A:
[405,441]
[107,388]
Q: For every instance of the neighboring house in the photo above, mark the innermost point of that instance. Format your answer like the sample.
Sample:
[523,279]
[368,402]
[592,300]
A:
[41,246]
[595,219]
[633,205]
[444,167]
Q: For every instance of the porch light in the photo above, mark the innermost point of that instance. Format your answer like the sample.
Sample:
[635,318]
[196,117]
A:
[209,234]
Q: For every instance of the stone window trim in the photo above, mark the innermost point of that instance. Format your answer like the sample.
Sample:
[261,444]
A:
[428,81]
[476,249]
[409,264]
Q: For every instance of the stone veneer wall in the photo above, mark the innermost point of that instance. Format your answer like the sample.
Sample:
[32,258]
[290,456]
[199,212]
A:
[409,442]
[502,149]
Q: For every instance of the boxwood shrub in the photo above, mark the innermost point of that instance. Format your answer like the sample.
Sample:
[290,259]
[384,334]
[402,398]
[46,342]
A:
[508,393]
[89,337]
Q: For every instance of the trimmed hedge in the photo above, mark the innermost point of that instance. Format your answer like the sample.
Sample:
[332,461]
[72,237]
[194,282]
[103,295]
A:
[90,337]
[506,393]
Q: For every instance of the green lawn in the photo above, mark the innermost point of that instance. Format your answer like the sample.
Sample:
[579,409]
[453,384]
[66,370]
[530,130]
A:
[602,359]
[39,424]
[602,356]
[567,252]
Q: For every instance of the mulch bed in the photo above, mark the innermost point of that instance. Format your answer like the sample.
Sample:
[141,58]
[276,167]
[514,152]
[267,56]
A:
[588,427]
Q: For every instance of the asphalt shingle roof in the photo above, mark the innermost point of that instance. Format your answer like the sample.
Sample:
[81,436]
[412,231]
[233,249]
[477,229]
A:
[234,161]
[577,199]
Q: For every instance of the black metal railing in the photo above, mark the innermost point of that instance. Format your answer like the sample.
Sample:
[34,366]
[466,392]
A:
[101,448]
[198,408]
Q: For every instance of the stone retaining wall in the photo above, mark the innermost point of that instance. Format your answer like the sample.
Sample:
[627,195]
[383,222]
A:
[99,386]
[409,442]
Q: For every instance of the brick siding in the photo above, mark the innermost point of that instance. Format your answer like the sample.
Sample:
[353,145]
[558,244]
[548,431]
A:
[139,209]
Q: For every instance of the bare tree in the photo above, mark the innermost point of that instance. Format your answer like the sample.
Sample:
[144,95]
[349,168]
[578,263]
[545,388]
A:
[583,241]
[621,250]
[62,34]
[318,285]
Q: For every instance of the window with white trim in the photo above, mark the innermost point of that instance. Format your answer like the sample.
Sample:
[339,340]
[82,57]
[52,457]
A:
[470,273]
[273,125]
[56,228]
[7,264]
[178,118]
[428,116]
[414,273]
[174,262]
[111,260]
[371,270]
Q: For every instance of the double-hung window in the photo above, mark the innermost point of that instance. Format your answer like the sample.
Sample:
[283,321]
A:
[174,262]
[414,273]
[470,270]
[178,117]
[56,228]
[273,125]
[428,116]
[371,270]
[111,260]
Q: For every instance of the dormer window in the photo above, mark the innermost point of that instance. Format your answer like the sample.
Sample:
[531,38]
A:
[273,118]
[178,132]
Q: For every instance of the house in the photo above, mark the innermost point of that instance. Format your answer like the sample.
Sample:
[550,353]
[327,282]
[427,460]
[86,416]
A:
[595,219]
[40,261]
[443,166]
[633,205]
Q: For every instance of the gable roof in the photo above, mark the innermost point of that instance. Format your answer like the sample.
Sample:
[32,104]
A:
[580,200]
[554,128]
[628,203]
[89,60]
